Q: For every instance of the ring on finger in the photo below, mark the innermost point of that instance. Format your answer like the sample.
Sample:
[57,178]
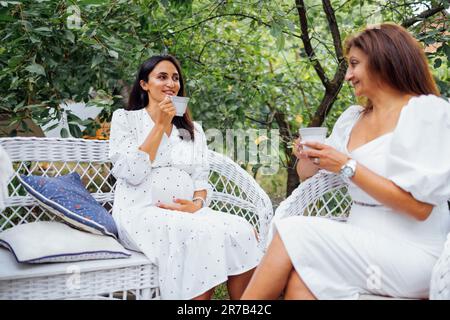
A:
[316,161]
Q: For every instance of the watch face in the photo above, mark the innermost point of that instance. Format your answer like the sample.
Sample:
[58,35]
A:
[348,171]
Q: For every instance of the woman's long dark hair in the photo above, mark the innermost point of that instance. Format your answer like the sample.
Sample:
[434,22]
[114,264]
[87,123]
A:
[139,97]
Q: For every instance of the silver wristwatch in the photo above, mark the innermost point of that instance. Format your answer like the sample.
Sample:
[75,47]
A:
[348,170]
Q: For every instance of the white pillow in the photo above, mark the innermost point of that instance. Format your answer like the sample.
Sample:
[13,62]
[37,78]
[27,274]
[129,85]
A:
[169,183]
[43,241]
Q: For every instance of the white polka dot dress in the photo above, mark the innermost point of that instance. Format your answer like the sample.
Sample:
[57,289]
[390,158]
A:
[194,252]
[170,183]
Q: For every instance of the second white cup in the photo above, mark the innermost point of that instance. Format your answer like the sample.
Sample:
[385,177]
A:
[180,104]
[316,134]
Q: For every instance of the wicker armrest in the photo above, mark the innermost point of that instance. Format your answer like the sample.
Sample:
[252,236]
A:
[324,194]
[238,188]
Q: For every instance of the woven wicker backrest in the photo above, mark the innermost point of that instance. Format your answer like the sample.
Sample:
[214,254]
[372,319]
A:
[323,195]
[233,193]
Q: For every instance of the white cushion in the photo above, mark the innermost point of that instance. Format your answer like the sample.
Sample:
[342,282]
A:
[41,242]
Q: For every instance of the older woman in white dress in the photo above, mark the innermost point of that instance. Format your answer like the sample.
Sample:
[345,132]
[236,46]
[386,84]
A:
[161,197]
[395,153]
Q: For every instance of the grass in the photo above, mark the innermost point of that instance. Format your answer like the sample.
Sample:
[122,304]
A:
[274,185]
[221,292]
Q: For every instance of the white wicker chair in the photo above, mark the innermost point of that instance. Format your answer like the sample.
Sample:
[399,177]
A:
[325,195]
[235,192]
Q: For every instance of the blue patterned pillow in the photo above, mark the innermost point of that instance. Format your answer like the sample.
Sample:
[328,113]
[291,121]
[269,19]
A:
[66,197]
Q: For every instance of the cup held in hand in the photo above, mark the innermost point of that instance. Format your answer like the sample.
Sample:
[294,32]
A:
[315,134]
[180,104]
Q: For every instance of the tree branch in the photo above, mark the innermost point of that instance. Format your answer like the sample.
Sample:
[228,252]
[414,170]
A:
[332,24]
[242,15]
[423,15]
[307,42]
[332,88]
[268,121]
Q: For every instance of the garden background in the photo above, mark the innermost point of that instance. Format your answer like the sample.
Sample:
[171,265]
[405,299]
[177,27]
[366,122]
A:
[248,64]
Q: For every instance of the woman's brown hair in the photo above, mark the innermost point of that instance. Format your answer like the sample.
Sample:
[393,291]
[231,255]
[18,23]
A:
[396,58]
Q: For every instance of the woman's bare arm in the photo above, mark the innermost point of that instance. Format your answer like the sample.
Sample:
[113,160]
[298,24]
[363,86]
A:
[378,187]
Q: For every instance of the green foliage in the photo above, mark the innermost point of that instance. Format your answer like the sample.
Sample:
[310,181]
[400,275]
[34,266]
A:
[241,61]
[48,56]
[244,61]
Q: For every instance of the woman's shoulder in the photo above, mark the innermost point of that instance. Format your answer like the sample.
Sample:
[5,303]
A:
[125,119]
[429,100]
[428,107]
[124,112]
[121,115]
[349,116]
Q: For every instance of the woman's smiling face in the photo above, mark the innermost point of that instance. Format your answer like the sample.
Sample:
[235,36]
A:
[358,73]
[163,81]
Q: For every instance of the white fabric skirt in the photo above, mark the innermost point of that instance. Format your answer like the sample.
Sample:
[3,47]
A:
[340,261]
[194,252]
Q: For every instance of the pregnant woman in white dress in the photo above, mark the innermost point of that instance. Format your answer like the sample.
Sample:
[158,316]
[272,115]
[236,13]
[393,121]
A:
[395,152]
[162,193]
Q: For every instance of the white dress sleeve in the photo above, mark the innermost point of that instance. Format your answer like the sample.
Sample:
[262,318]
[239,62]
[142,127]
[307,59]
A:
[129,163]
[200,174]
[419,156]
[342,127]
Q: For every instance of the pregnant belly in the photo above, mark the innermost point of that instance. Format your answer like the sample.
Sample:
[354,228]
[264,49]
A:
[169,183]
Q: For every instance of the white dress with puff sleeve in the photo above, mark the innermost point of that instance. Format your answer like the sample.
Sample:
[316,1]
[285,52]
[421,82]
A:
[194,252]
[381,251]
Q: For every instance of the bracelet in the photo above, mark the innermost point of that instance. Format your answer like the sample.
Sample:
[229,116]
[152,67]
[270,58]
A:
[202,200]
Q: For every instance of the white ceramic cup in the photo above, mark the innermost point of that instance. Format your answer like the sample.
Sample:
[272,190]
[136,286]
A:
[316,134]
[180,103]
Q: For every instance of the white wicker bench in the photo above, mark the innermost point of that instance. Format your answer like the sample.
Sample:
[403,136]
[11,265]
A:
[235,192]
[325,195]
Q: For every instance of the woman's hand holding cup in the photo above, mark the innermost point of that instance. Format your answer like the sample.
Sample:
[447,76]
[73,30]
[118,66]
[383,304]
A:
[166,112]
[316,134]
[298,152]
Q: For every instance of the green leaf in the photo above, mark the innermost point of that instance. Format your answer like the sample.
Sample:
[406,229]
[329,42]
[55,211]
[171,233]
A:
[96,61]
[36,68]
[275,30]
[43,29]
[64,133]
[75,131]
[280,42]
[446,49]
[72,117]
[437,63]
[113,54]
[52,127]
[290,25]
[5,15]
[33,39]
[92,2]
[70,36]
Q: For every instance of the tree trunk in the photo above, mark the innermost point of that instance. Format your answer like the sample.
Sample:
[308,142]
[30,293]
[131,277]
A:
[292,179]
[286,138]
[329,98]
